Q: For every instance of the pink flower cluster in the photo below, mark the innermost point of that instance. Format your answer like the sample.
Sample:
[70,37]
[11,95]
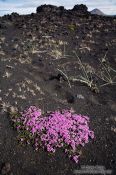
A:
[55,130]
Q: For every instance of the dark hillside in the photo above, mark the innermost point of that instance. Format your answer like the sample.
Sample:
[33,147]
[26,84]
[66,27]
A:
[58,59]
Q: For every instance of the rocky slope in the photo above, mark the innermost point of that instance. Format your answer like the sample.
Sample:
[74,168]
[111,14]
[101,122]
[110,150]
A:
[43,57]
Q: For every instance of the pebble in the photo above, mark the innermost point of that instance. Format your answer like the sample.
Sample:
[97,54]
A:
[80,96]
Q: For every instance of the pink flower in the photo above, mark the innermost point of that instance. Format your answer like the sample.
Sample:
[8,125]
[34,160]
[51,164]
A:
[76,158]
[55,130]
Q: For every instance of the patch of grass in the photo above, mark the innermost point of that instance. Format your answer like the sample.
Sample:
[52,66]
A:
[107,74]
[57,49]
[86,76]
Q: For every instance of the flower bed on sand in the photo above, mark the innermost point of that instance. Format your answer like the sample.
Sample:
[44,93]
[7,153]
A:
[59,129]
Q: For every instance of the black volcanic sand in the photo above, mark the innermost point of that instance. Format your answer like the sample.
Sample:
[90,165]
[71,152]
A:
[32,49]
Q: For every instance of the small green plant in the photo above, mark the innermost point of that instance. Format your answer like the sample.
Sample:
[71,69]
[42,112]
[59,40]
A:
[72,27]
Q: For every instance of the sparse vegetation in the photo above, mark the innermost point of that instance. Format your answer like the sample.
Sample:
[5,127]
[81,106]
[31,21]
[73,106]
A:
[107,74]
[57,49]
[86,76]
[38,67]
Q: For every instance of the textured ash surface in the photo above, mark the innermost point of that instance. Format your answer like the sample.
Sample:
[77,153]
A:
[32,49]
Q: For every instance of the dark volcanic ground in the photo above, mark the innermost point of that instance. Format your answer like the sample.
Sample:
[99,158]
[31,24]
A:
[33,48]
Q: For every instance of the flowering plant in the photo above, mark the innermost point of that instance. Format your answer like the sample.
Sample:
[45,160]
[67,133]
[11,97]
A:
[55,130]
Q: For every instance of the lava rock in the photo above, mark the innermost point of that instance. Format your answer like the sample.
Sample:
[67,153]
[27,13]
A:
[80,8]
[70,98]
[50,9]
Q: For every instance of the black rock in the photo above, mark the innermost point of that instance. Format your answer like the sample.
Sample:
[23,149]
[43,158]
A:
[80,8]
[50,9]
